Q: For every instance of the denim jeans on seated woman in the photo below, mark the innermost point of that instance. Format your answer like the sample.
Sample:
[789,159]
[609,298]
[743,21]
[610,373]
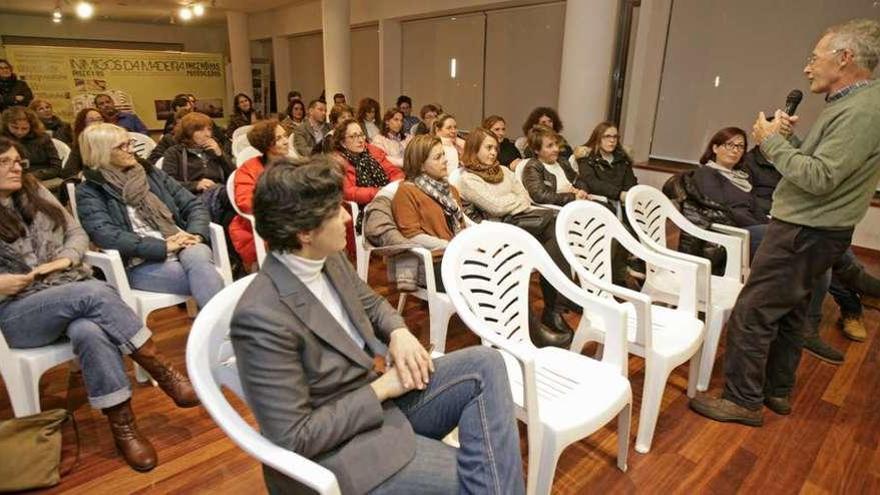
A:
[98,323]
[193,273]
[469,390]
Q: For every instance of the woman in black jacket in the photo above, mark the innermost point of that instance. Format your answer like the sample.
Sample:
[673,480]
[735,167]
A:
[196,160]
[56,127]
[13,91]
[159,228]
[606,170]
[507,152]
[547,179]
[22,124]
[243,113]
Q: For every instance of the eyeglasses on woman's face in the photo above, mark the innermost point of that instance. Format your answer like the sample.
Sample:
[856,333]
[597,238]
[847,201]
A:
[123,146]
[734,146]
[8,163]
[357,136]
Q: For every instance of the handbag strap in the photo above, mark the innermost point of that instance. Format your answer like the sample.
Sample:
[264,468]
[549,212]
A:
[70,468]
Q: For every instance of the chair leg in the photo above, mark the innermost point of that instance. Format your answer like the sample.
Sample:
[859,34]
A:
[624,419]
[362,261]
[656,376]
[192,309]
[439,314]
[546,469]
[694,372]
[24,393]
[714,326]
[401,302]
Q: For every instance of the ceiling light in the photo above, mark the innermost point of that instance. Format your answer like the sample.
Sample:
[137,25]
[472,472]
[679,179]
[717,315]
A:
[185,14]
[56,14]
[198,9]
[84,10]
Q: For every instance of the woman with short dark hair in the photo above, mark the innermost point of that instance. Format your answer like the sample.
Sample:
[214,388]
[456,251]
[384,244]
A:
[391,139]
[548,179]
[197,161]
[47,294]
[367,114]
[545,116]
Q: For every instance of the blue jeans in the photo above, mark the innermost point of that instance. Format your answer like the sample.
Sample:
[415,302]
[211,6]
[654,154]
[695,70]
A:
[192,273]
[98,323]
[469,390]
[847,300]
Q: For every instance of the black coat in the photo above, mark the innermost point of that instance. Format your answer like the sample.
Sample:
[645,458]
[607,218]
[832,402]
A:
[207,166]
[763,176]
[45,163]
[60,130]
[10,91]
[743,206]
[104,215]
[597,176]
[541,183]
[507,152]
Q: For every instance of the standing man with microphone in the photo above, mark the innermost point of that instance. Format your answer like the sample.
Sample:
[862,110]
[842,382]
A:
[827,184]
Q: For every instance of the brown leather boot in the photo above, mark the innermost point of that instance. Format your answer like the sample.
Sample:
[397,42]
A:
[174,383]
[137,450]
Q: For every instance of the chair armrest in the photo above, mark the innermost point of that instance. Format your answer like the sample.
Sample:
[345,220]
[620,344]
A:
[597,198]
[110,264]
[743,234]
[221,253]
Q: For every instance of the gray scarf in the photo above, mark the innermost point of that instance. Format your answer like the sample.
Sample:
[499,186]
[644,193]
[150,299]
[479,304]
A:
[135,189]
[737,177]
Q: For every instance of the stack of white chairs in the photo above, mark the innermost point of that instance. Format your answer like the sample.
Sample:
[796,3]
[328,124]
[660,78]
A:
[665,337]
[563,396]
[648,211]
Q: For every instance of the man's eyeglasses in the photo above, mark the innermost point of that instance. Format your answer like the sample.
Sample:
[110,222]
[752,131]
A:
[7,163]
[813,57]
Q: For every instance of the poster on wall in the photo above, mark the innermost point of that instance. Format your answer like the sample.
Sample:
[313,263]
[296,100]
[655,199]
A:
[143,82]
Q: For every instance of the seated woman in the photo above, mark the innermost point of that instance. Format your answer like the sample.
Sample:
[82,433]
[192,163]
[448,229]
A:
[87,116]
[312,374]
[338,113]
[243,113]
[367,113]
[22,124]
[446,128]
[427,113]
[496,194]
[56,127]
[426,208]
[606,169]
[391,139]
[722,179]
[294,115]
[507,152]
[548,117]
[158,227]
[366,167]
[269,138]
[548,180]
[197,161]
[47,294]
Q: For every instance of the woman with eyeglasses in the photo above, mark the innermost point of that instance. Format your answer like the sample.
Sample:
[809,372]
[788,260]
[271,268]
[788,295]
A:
[606,169]
[56,127]
[22,124]
[160,229]
[47,293]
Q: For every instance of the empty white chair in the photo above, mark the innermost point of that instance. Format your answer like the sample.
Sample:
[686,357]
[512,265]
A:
[259,245]
[648,210]
[141,144]
[210,363]
[665,337]
[562,395]
[63,150]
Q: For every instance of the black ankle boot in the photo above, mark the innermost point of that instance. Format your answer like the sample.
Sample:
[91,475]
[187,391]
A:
[545,337]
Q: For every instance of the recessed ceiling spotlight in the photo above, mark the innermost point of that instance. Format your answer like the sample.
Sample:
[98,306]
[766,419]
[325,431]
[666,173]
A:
[84,10]
[185,14]
[198,9]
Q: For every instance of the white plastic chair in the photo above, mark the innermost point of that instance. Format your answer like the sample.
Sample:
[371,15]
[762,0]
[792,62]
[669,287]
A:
[63,150]
[665,337]
[241,131]
[246,154]
[239,143]
[291,149]
[648,210]
[562,395]
[210,363]
[258,241]
[160,162]
[141,144]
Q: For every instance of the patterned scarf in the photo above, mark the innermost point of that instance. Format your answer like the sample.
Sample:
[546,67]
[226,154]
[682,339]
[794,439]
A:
[489,173]
[737,177]
[368,172]
[132,184]
[440,192]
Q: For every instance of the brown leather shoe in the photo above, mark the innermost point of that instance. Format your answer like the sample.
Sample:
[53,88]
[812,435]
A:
[779,405]
[174,383]
[853,328]
[721,409]
[137,450]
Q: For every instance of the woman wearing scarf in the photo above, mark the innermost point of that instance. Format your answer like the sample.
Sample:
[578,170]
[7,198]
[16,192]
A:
[158,227]
[366,167]
[496,195]
[47,293]
[723,180]
[426,208]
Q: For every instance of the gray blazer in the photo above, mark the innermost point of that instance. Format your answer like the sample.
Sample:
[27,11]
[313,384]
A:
[308,383]
[304,140]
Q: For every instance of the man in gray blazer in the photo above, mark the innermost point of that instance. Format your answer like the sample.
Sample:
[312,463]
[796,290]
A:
[310,341]
[312,130]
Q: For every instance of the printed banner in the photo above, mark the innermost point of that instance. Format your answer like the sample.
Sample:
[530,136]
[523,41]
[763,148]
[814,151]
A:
[143,82]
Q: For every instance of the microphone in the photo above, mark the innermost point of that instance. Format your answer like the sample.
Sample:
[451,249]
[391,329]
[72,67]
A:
[793,100]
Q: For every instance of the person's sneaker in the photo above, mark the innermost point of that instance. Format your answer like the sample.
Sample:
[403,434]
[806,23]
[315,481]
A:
[779,405]
[721,409]
[823,351]
[853,328]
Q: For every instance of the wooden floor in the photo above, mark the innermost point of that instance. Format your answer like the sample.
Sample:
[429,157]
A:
[828,445]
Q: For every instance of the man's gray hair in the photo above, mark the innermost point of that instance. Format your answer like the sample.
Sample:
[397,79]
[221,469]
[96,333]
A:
[862,37]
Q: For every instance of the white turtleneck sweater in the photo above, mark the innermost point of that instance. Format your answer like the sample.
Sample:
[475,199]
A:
[311,274]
